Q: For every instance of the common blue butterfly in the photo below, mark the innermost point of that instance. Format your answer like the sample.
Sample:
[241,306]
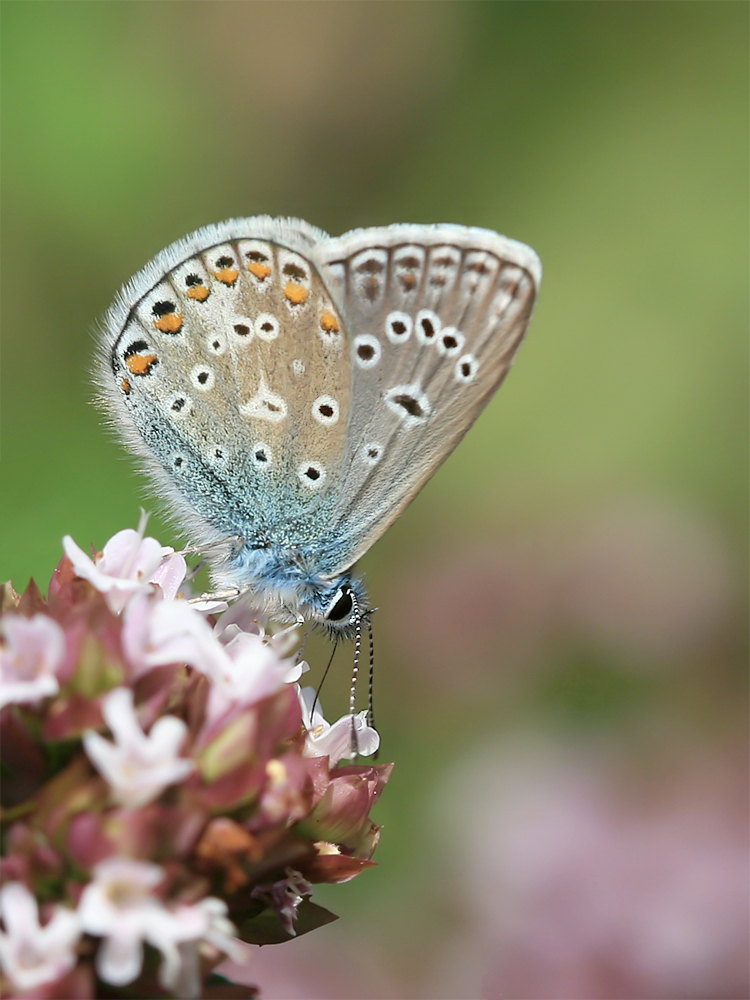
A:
[290,392]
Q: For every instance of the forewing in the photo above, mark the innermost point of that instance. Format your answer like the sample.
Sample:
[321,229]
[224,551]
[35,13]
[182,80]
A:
[230,364]
[435,316]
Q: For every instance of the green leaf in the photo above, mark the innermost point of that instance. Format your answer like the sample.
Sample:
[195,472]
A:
[267,928]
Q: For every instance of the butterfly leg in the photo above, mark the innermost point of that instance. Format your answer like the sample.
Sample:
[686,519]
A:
[206,602]
[195,570]
[298,622]
[235,542]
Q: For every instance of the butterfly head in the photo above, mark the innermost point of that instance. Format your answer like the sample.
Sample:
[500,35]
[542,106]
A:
[341,607]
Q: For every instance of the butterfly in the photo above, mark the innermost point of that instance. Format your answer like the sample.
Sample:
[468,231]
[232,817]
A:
[290,393]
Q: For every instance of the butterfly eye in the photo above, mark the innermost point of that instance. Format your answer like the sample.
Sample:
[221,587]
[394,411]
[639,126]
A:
[342,605]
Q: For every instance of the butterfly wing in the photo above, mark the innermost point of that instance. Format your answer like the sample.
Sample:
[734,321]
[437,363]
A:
[435,316]
[225,362]
[298,389]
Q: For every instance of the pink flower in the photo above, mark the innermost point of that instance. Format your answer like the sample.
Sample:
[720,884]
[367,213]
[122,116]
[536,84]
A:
[134,812]
[138,767]
[29,953]
[31,650]
[128,564]
[345,797]
[323,739]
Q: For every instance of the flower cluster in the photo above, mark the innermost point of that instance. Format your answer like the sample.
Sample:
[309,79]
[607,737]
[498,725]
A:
[170,793]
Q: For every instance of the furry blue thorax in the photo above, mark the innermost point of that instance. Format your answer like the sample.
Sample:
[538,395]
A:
[283,582]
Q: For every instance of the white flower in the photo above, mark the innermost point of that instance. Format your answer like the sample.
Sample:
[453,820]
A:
[164,632]
[203,924]
[333,740]
[170,573]
[128,564]
[120,906]
[243,670]
[251,670]
[138,767]
[29,954]
[31,650]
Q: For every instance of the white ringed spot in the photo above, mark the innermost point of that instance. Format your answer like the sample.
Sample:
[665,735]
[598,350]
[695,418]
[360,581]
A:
[179,405]
[466,368]
[216,344]
[450,342]
[267,326]
[371,453]
[325,410]
[298,366]
[427,326]
[261,455]
[202,377]
[242,330]
[367,350]
[409,403]
[312,475]
[398,327]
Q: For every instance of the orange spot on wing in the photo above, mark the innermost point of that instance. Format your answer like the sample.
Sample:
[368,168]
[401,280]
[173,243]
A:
[171,323]
[199,292]
[261,271]
[141,364]
[295,293]
[408,281]
[227,275]
[329,322]
[126,386]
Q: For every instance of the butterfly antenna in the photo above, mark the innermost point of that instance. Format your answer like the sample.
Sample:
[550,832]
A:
[370,699]
[325,674]
[353,742]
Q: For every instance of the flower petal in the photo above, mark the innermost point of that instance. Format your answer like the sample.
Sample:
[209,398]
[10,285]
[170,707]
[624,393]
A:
[119,958]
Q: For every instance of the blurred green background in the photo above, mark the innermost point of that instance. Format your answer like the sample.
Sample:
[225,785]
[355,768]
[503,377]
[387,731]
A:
[561,640]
